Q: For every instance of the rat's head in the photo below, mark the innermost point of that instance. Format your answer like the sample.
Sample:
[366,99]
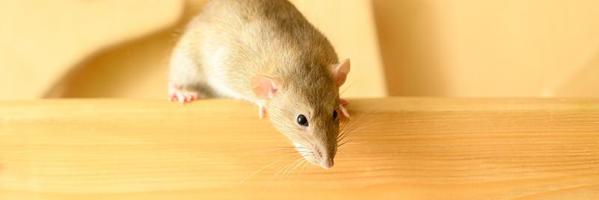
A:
[306,109]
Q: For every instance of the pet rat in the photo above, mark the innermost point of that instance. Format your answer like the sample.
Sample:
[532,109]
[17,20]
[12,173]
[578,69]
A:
[267,53]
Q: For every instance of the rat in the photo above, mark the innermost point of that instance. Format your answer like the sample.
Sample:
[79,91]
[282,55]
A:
[267,53]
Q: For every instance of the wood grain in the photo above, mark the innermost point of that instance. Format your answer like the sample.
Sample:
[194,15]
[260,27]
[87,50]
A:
[401,148]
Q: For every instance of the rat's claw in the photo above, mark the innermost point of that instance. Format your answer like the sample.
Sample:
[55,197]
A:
[181,98]
[188,97]
[342,106]
[343,102]
[178,94]
[344,111]
[261,111]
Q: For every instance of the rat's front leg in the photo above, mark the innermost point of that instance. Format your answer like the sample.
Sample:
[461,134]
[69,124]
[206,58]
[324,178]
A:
[185,75]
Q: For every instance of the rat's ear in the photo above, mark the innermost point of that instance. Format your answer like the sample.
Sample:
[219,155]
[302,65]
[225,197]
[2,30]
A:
[265,87]
[340,71]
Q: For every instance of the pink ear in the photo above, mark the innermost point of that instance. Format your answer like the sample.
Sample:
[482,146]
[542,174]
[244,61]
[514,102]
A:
[340,72]
[264,87]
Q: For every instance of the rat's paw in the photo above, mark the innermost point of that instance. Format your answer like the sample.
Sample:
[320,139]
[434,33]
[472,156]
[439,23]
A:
[343,107]
[343,102]
[183,97]
[178,94]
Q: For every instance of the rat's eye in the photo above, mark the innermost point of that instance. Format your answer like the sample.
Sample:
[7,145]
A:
[335,114]
[302,120]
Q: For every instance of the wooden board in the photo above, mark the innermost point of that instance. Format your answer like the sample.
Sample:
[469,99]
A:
[401,148]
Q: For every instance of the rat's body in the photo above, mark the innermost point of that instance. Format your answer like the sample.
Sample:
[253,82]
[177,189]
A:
[267,53]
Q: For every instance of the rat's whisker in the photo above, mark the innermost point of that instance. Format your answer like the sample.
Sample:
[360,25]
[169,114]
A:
[341,140]
[261,169]
[296,166]
[367,125]
[340,145]
[286,168]
[343,134]
[304,166]
[351,126]
[307,154]
[289,170]
[274,150]
[342,130]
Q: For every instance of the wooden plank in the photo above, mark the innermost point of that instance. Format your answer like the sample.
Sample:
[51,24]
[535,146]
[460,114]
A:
[401,148]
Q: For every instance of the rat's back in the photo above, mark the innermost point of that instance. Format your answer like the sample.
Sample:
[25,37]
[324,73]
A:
[233,40]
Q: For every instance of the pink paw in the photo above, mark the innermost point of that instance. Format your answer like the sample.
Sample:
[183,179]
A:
[178,94]
[343,102]
[343,107]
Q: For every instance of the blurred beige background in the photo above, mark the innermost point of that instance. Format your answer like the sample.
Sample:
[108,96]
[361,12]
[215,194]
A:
[458,48]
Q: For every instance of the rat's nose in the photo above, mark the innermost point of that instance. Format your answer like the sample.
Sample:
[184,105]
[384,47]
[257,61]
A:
[327,163]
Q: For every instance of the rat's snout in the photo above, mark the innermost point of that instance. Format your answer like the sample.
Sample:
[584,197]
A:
[327,159]
[327,163]
[318,156]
